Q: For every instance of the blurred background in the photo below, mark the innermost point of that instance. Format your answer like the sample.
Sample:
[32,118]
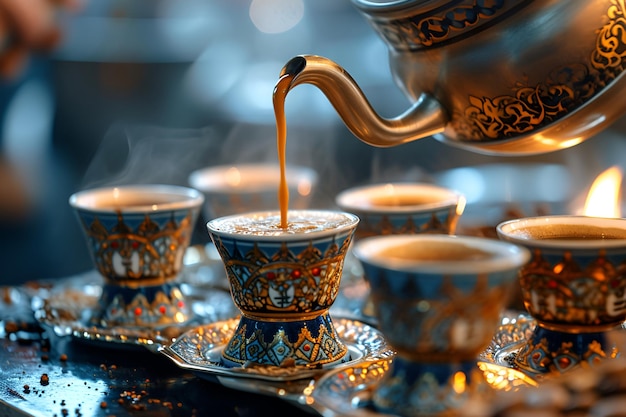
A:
[150,90]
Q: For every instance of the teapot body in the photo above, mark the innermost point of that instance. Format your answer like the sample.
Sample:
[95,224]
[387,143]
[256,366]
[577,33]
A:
[501,77]
[505,71]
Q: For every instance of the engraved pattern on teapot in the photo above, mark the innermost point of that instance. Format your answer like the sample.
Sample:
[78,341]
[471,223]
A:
[426,30]
[504,77]
[566,89]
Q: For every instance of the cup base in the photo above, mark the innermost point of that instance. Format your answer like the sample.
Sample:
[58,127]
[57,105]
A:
[551,351]
[421,389]
[311,343]
[155,306]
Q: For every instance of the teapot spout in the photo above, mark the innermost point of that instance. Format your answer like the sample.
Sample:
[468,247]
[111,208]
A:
[424,118]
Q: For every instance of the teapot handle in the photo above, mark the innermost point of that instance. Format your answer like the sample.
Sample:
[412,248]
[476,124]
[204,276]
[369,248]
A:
[424,118]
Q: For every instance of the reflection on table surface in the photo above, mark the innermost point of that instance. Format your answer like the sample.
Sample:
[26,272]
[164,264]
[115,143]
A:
[44,374]
[41,378]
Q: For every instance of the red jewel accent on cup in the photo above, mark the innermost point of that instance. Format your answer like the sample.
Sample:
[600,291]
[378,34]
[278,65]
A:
[162,310]
[181,304]
[115,244]
[296,273]
[138,311]
[135,244]
[306,348]
[270,275]
[316,271]
[564,362]
[536,356]
[552,284]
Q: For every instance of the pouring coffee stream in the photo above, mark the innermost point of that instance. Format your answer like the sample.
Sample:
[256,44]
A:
[280,93]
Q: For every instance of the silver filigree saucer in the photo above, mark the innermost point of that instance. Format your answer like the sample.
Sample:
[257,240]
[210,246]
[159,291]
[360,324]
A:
[347,391]
[64,309]
[513,332]
[199,350]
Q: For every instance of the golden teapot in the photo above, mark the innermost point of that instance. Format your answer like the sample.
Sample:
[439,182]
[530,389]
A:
[501,77]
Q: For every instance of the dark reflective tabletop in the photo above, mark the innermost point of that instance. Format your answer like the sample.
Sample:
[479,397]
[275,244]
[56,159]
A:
[43,374]
[64,377]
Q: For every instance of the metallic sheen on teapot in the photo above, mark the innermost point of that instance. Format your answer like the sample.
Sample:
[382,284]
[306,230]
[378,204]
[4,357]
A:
[501,77]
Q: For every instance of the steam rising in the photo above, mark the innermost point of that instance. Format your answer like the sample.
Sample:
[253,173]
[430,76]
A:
[142,154]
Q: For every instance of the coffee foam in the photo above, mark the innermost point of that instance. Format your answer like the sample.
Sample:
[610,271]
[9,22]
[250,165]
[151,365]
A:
[268,223]
[397,197]
[440,253]
[569,232]
[136,198]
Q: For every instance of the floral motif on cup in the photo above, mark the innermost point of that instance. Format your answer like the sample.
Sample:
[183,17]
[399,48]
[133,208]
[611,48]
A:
[453,322]
[267,280]
[565,89]
[286,348]
[165,306]
[565,294]
[537,357]
[141,252]
[442,222]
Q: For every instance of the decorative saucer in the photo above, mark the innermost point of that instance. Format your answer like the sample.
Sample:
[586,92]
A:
[64,309]
[514,330]
[199,350]
[347,390]
[518,332]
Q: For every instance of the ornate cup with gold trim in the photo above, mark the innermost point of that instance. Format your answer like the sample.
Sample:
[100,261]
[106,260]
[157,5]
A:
[402,208]
[438,301]
[574,287]
[284,282]
[137,236]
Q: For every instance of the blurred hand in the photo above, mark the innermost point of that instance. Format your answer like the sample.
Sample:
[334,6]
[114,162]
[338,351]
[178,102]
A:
[27,26]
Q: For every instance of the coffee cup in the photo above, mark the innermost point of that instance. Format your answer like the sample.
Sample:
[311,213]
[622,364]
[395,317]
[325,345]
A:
[574,287]
[137,236]
[284,281]
[402,208]
[438,300]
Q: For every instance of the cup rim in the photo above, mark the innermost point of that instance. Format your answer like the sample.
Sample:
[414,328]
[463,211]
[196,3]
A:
[506,231]
[186,198]
[353,199]
[210,179]
[280,236]
[509,255]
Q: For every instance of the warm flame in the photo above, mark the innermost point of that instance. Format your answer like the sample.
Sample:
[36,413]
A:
[604,196]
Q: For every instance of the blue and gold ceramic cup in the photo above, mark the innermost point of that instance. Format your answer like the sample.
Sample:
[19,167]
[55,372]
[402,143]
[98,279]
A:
[284,282]
[403,208]
[438,300]
[137,236]
[574,287]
